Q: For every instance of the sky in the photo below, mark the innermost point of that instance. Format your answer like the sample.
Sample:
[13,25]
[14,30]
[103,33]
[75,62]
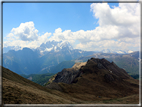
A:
[86,26]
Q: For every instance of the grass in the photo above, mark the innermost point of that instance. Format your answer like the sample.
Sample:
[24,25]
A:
[17,93]
[132,99]
[18,90]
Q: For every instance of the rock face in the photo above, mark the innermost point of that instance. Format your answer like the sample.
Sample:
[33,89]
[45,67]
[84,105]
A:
[78,65]
[68,75]
[109,70]
[109,66]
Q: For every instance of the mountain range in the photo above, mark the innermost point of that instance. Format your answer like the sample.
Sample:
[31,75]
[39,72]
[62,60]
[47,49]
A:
[56,46]
[28,61]
[96,81]
[53,56]
[129,62]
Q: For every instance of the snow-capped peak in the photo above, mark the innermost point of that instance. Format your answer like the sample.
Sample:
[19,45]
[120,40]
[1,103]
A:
[48,49]
[130,51]
[64,44]
[105,51]
[54,46]
[112,51]
[120,52]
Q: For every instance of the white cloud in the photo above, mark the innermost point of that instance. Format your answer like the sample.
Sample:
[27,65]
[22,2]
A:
[126,18]
[26,31]
[25,36]
[119,29]
[108,44]
[11,36]
[43,38]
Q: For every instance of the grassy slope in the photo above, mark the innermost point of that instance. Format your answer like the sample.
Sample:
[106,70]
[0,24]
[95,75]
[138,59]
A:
[86,90]
[18,90]
[59,67]
[40,79]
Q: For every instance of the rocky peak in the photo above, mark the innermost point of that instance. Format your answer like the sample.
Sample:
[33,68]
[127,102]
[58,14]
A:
[78,65]
[109,66]
[104,69]
[97,77]
[68,75]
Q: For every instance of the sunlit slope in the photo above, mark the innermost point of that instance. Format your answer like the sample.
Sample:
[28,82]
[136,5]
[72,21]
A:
[18,90]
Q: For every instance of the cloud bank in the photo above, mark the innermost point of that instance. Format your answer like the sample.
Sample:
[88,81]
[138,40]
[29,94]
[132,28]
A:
[25,36]
[119,29]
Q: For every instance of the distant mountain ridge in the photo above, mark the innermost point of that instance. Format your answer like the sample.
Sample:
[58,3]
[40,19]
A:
[55,46]
[47,56]
[129,62]
[118,51]
[27,61]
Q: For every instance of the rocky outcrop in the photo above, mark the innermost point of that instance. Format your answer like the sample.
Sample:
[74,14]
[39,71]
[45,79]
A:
[68,75]
[97,78]
[109,70]
[78,65]
[106,65]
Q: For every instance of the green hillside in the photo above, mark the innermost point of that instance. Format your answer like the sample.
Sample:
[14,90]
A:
[40,79]
[43,78]
[59,67]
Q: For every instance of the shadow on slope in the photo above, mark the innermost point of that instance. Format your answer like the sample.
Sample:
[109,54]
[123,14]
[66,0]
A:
[97,80]
[18,90]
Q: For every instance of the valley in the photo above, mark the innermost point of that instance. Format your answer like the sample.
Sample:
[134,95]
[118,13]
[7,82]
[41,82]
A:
[84,83]
[37,67]
[69,76]
[131,68]
[28,61]
[62,55]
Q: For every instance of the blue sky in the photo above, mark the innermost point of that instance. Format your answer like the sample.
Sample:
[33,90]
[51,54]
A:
[86,23]
[49,16]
